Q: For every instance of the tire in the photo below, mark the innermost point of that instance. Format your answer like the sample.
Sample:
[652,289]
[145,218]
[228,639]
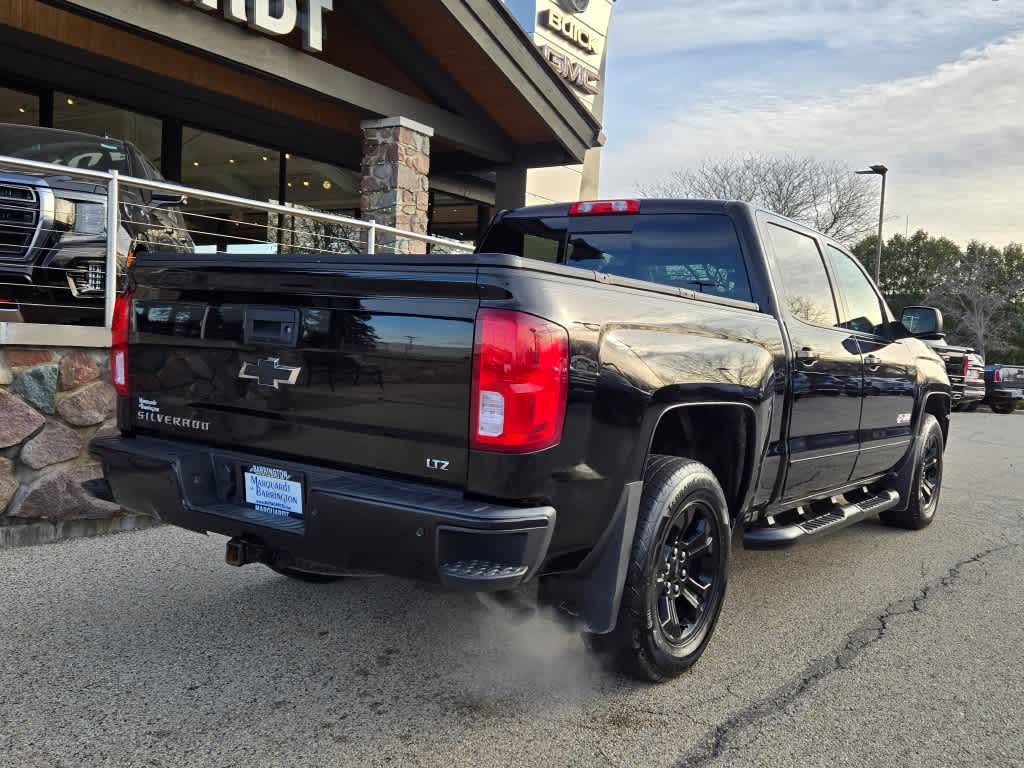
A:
[1004,409]
[306,576]
[971,407]
[927,483]
[669,605]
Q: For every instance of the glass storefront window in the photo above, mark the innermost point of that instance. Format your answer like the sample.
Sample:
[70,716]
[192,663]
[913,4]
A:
[18,108]
[456,217]
[216,163]
[321,187]
[73,113]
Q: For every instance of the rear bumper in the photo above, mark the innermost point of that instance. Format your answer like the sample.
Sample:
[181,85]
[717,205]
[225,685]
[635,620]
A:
[352,522]
[969,393]
[1003,395]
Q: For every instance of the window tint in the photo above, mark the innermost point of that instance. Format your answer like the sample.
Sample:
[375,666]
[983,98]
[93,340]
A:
[698,252]
[539,239]
[808,293]
[864,310]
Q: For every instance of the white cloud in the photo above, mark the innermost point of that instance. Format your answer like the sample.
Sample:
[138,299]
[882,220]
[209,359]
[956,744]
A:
[953,139]
[642,27]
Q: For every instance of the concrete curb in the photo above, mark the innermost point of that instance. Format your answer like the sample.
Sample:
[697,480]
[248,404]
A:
[48,532]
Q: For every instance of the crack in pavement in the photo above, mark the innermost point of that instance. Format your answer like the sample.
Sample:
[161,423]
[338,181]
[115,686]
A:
[865,634]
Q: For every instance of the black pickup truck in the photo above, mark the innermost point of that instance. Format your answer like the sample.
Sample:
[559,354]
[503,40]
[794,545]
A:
[594,402]
[53,228]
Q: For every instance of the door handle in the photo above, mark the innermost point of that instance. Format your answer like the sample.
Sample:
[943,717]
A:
[808,356]
[873,363]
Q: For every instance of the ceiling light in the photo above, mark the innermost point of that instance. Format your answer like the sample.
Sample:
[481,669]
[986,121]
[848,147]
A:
[195,163]
[231,160]
[287,156]
[305,182]
[289,184]
[265,157]
[327,184]
[22,110]
[71,102]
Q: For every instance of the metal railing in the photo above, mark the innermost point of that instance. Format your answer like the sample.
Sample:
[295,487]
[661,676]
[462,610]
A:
[355,235]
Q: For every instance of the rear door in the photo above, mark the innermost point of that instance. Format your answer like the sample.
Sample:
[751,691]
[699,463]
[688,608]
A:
[362,366]
[826,374]
[890,369]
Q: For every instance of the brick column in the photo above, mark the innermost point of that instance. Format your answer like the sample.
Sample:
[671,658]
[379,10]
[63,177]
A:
[395,184]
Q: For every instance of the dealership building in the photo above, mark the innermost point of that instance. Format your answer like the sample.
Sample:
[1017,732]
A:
[422,114]
[282,100]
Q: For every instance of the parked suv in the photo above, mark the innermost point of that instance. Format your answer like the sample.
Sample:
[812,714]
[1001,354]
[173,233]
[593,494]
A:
[1004,387]
[53,227]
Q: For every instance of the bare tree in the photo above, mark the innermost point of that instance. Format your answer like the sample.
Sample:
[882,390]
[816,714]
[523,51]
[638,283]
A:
[822,195]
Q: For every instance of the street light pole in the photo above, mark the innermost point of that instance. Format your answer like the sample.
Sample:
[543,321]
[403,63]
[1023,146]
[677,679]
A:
[878,170]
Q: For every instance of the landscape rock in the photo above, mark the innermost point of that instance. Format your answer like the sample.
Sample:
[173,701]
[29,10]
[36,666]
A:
[77,369]
[18,420]
[59,496]
[56,443]
[8,483]
[108,429]
[26,358]
[92,404]
[37,386]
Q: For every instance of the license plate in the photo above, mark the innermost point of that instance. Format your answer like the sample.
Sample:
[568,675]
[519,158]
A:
[274,491]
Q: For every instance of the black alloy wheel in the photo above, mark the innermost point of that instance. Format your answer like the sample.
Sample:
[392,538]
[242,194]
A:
[927,483]
[686,586]
[930,476]
[676,575]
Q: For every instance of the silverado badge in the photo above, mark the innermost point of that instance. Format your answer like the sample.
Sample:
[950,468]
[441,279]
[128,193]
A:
[269,372]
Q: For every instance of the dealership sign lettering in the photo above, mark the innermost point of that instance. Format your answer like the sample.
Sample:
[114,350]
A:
[578,74]
[277,17]
[570,29]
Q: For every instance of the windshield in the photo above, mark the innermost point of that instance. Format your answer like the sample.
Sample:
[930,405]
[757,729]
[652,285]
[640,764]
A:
[63,148]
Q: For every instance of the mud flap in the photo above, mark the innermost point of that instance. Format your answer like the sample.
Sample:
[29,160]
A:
[593,592]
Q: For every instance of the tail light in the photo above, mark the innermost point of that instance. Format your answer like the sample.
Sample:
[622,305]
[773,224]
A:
[119,327]
[600,207]
[997,375]
[520,382]
[967,365]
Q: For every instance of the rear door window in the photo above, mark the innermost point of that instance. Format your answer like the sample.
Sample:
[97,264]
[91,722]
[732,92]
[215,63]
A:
[698,252]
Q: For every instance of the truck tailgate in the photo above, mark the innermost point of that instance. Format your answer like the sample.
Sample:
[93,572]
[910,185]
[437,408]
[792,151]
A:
[364,365]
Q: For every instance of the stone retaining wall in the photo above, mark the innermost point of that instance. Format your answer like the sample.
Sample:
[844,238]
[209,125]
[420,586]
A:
[52,401]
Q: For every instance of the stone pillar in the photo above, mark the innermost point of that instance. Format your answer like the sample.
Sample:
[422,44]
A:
[395,185]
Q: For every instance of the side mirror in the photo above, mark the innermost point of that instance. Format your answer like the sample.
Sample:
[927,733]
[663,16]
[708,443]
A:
[158,198]
[923,322]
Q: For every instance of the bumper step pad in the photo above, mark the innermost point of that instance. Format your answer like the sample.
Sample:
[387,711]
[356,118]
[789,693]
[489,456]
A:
[837,518]
[482,572]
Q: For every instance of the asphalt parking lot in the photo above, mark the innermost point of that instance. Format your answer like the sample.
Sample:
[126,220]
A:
[870,647]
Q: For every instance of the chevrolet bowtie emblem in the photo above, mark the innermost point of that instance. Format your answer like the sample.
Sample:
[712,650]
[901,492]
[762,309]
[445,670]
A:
[269,372]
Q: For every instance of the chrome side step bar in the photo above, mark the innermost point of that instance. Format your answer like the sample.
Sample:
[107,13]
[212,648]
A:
[837,518]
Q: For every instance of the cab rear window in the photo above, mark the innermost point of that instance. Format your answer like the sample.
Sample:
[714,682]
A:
[699,252]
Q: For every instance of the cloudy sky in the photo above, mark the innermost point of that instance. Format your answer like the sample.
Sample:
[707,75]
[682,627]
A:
[933,89]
